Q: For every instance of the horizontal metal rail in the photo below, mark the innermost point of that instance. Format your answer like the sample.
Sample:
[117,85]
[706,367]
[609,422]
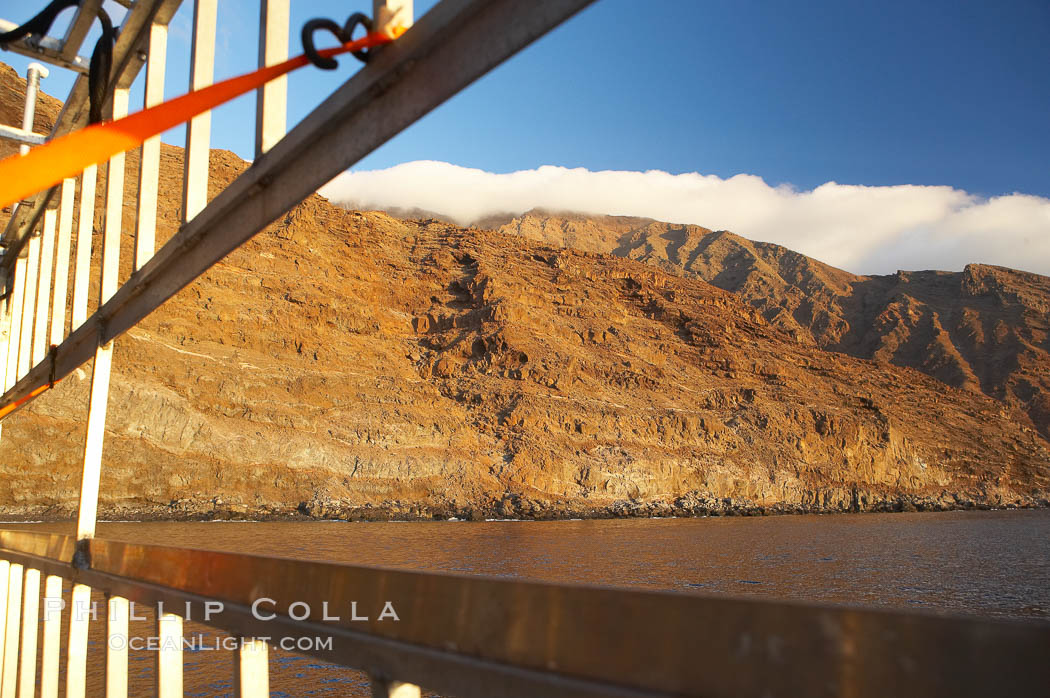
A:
[480,636]
[21,135]
[455,43]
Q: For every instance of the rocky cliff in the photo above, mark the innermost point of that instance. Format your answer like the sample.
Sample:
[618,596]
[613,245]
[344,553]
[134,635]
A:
[985,329]
[349,364]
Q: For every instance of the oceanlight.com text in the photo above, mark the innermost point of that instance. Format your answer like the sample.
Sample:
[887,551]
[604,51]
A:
[211,643]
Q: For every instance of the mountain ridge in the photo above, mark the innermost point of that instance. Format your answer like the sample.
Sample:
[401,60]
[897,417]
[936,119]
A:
[984,328]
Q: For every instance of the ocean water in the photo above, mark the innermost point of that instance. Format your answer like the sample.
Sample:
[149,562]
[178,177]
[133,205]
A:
[988,563]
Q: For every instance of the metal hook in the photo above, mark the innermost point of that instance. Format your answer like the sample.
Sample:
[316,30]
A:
[344,34]
[348,31]
[308,42]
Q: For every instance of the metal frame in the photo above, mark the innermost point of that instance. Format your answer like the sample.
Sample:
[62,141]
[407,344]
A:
[129,53]
[49,49]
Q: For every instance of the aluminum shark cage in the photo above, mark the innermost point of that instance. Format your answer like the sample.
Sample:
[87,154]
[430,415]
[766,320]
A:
[462,635]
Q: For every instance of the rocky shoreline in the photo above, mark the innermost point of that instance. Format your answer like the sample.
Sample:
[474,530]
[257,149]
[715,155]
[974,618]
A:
[517,508]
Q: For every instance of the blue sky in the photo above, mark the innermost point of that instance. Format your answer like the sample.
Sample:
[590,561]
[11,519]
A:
[937,93]
[934,92]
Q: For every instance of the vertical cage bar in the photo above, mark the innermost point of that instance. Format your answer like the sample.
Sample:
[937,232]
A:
[117,647]
[85,227]
[392,17]
[169,656]
[43,289]
[198,131]
[149,163]
[14,334]
[7,286]
[65,232]
[114,208]
[89,478]
[385,688]
[25,345]
[30,621]
[5,574]
[81,613]
[34,71]
[96,423]
[52,637]
[252,673]
[14,618]
[271,100]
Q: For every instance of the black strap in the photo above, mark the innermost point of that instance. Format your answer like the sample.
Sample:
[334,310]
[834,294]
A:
[101,58]
[101,67]
[40,24]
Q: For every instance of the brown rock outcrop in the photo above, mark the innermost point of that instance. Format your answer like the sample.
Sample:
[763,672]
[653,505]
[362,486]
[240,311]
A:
[346,364]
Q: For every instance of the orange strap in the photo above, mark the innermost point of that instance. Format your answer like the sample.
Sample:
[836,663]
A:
[22,176]
[8,409]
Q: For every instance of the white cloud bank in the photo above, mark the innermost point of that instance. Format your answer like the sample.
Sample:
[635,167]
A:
[867,230]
